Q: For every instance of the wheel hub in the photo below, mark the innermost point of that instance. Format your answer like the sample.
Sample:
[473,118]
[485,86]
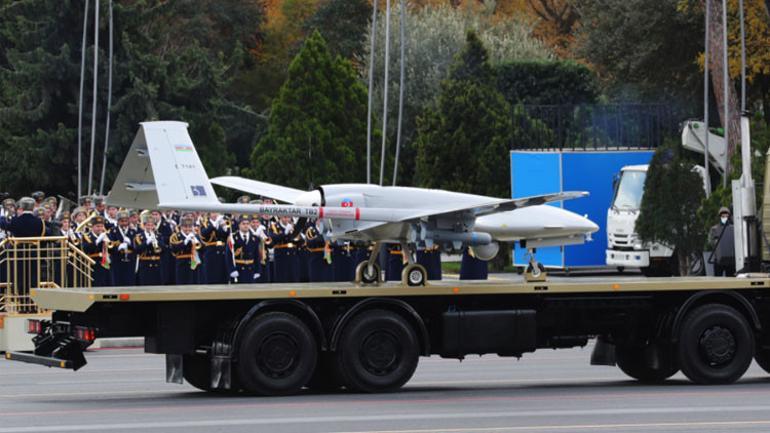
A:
[415,276]
[380,353]
[717,345]
[277,355]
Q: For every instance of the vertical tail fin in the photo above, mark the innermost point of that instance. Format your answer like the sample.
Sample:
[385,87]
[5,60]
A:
[162,166]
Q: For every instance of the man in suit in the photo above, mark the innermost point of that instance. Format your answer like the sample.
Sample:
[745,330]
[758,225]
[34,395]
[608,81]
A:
[27,224]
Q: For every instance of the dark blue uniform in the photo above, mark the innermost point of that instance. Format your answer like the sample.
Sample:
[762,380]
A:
[150,272]
[214,245]
[472,268]
[183,258]
[395,261]
[430,259]
[344,262]
[165,230]
[123,264]
[100,272]
[318,268]
[246,259]
[285,266]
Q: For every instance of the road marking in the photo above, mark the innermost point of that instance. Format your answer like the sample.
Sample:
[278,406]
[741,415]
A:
[579,427]
[416,417]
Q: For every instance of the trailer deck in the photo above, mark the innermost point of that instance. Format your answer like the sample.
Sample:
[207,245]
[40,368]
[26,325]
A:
[81,299]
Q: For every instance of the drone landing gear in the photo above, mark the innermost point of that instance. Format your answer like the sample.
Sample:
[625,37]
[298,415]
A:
[413,274]
[368,272]
[535,270]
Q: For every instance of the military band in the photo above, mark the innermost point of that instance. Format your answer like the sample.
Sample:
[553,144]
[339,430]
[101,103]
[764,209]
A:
[151,248]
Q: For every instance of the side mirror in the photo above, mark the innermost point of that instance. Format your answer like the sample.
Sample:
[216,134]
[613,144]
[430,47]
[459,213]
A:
[615,181]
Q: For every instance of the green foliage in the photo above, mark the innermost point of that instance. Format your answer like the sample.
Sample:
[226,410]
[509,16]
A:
[722,195]
[434,36]
[316,125]
[173,61]
[462,144]
[543,82]
[643,49]
[673,193]
[343,24]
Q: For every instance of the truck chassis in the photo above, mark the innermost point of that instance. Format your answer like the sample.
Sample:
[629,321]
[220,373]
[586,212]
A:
[275,339]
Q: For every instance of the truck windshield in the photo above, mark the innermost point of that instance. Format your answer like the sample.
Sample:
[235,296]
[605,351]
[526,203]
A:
[630,190]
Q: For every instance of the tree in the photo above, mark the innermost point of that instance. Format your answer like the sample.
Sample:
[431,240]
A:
[316,124]
[463,143]
[343,25]
[434,36]
[162,71]
[643,49]
[673,193]
[284,32]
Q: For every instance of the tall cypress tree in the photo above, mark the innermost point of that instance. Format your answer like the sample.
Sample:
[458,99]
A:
[673,193]
[317,126]
[463,141]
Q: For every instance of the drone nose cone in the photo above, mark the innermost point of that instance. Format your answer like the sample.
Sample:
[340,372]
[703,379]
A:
[589,226]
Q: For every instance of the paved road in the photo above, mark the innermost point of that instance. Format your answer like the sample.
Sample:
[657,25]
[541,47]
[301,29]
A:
[549,391]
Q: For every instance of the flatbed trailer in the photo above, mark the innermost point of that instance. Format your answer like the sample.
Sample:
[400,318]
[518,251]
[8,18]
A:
[275,339]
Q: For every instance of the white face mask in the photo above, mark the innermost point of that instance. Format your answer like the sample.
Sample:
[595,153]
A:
[724,220]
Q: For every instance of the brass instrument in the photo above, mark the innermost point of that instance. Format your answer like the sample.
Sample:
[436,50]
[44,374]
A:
[81,228]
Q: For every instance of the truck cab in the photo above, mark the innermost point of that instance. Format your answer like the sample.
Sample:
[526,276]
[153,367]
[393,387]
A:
[624,248]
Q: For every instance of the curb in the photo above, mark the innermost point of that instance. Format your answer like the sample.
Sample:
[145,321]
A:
[106,343]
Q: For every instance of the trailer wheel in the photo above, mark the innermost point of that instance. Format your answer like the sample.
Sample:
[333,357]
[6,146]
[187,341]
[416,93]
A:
[378,351]
[277,355]
[716,345]
[631,360]
[763,359]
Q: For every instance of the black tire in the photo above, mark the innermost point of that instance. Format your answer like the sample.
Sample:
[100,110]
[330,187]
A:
[414,275]
[326,377]
[277,355]
[364,275]
[377,352]
[716,345]
[631,360]
[763,359]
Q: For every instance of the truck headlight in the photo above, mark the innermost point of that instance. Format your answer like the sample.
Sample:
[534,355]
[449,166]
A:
[638,245]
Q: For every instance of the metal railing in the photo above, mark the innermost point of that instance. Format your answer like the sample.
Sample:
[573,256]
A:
[43,262]
[596,127]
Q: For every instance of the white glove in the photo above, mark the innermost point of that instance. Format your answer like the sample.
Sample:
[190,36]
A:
[261,232]
[256,276]
[189,238]
[234,274]
[100,238]
[123,247]
[126,240]
[218,222]
[150,240]
[289,228]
